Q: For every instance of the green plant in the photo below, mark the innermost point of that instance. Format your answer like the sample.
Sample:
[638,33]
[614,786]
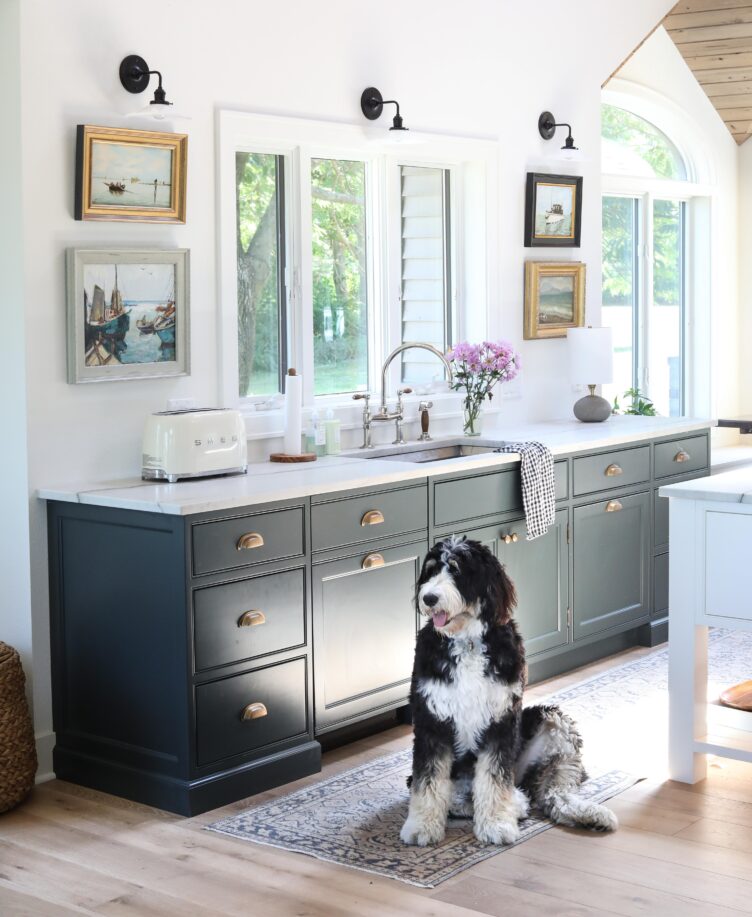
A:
[641,404]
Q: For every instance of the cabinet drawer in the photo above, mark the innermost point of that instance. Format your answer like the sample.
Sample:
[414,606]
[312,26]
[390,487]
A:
[280,693]
[248,540]
[365,518]
[611,469]
[681,456]
[237,621]
[471,498]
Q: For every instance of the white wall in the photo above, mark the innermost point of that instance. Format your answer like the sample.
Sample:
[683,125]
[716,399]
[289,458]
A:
[657,74]
[480,67]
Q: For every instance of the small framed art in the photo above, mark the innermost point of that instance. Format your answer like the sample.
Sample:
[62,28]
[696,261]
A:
[554,298]
[130,175]
[553,210]
[128,314]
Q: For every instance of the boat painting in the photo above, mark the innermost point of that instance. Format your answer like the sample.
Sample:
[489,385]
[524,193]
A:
[127,175]
[554,210]
[129,314]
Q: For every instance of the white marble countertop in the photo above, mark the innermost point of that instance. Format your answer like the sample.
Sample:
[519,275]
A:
[267,482]
[728,487]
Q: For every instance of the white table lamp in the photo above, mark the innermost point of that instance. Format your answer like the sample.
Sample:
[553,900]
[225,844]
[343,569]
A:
[591,362]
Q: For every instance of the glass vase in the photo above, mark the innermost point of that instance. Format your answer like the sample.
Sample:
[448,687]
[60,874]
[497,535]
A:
[472,418]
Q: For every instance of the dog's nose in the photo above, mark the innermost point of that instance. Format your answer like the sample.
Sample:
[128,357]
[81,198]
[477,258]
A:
[430,599]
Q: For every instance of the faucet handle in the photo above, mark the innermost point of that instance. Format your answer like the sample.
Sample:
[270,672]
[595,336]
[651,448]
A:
[404,391]
[362,396]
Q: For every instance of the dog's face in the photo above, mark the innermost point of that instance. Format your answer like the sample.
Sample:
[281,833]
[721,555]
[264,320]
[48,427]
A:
[462,582]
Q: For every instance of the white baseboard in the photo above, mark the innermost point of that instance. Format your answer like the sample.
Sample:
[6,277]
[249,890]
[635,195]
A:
[45,744]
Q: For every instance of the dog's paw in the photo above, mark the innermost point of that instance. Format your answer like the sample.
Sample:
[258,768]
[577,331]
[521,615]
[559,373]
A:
[600,818]
[497,832]
[521,804]
[419,834]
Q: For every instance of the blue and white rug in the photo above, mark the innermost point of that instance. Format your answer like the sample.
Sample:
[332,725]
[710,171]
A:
[354,818]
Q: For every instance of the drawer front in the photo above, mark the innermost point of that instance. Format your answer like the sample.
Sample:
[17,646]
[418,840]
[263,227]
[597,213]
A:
[728,547]
[238,621]
[248,540]
[366,518]
[681,456]
[277,692]
[610,470]
[471,498]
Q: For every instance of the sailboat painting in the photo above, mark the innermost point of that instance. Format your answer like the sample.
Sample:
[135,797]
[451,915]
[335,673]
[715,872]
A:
[553,210]
[128,314]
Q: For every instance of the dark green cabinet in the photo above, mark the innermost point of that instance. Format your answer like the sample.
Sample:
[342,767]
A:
[364,626]
[611,563]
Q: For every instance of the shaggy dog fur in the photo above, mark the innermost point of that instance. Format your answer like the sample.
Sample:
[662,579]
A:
[477,751]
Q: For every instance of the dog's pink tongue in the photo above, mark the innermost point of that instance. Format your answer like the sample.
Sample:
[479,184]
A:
[439,618]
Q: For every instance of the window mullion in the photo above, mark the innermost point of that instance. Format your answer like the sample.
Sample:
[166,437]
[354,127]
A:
[303,346]
[646,300]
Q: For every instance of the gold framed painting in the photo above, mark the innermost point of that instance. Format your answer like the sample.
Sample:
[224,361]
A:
[554,298]
[130,175]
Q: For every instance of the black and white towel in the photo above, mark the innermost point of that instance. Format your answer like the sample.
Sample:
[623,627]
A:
[538,486]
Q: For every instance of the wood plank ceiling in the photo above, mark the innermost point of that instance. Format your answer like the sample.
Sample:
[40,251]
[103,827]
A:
[715,39]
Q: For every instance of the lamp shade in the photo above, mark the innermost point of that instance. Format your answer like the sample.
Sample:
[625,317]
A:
[591,359]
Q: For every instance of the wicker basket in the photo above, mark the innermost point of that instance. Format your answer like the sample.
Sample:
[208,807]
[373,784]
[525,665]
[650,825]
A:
[18,754]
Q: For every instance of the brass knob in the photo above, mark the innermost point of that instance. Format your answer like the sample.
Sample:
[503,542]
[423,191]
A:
[372,517]
[511,539]
[250,540]
[251,619]
[613,506]
[682,456]
[614,470]
[507,539]
[253,711]
[372,560]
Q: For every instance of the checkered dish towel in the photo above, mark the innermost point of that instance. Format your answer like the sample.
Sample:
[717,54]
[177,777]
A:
[538,486]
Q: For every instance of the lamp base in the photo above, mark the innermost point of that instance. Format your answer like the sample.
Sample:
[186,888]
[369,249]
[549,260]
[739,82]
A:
[592,409]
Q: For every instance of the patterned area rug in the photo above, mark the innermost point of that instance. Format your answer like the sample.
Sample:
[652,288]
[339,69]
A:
[354,818]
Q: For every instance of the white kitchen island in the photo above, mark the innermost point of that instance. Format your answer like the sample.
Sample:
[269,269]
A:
[711,548]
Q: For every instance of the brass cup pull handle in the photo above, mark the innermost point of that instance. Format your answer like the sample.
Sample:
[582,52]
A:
[614,470]
[253,711]
[250,540]
[682,456]
[372,517]
[252,619]
[613,506]
[372,560]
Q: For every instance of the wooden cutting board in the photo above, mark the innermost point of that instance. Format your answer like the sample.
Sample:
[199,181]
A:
[739,696]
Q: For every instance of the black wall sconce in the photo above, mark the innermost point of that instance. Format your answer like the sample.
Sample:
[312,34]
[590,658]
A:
[372,105]
[547,125]
[135,76]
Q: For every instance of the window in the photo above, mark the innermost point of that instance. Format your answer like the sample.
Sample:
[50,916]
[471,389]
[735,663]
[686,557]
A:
[425,267]
[645,260]
[336,246]
[260,240]
[340,281]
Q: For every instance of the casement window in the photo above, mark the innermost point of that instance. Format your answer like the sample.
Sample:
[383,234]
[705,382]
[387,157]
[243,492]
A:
[645,264]
[335,249]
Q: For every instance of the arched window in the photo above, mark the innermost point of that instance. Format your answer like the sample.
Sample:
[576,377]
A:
[644,259]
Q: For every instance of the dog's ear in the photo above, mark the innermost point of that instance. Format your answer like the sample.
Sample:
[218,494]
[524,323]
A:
[430,566]
[501,596]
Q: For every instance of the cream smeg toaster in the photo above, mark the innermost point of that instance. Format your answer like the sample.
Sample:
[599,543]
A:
[194,443]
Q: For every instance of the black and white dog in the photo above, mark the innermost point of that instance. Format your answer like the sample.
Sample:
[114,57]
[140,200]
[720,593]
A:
[477,751]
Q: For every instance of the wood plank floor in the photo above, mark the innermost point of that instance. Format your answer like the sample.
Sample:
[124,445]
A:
[680,850]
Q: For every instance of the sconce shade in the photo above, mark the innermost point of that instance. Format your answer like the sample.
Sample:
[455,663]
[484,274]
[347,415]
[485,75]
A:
[591,359]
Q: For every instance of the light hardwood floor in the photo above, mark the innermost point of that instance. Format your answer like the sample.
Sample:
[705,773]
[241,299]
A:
[680,851]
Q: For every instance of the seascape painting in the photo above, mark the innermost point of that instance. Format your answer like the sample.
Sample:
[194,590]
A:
[125,175]
[127,314]
[556,300]
[130,175]
[554,210]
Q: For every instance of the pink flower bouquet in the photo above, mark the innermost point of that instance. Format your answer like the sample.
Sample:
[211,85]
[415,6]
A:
[477,369]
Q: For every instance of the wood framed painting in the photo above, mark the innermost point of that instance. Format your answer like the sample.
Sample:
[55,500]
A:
[554,298]
[553,210]
[130,175]
[128,314]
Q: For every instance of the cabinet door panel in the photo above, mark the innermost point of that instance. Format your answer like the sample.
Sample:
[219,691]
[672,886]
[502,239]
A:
[611,563]
[539,570]
[364,627]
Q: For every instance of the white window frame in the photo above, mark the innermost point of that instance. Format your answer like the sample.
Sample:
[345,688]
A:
[698,192]
[473,164]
